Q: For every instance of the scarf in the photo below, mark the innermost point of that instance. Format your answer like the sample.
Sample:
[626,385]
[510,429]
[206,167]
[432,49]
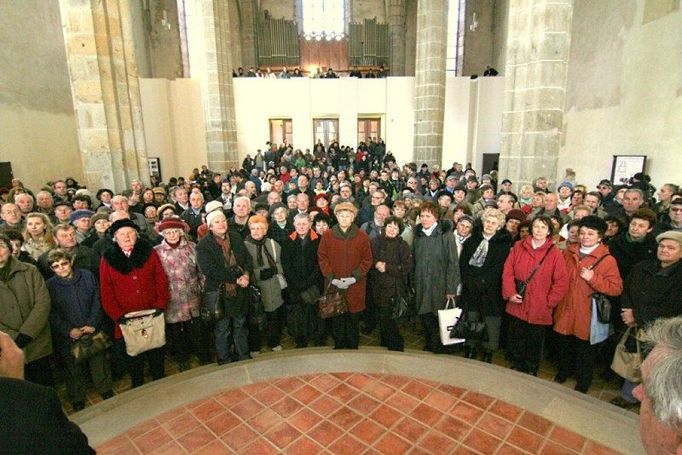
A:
[478,258]
[230,288]
[260,247]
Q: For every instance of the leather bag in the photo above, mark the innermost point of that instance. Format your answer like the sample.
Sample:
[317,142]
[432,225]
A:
[628,365]
[143,331]
[89,345]
[332,303]
[212,306]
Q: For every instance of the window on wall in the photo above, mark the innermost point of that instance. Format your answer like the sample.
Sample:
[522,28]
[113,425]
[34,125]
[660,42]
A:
[323,19]
[281,130]
[325,130]
[368,128]
[455,45]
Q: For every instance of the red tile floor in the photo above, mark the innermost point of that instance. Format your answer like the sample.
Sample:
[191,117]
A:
[350,413]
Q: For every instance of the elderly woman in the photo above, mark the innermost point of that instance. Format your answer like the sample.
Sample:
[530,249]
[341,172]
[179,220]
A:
[392,266]
[179,259]
[76,312]
[24,312]
[227,268]
[590,269]
[280,227]
[540,266]
[100,223]
[38,235]
[266,255]
[481,263]
[436,270]
[132,278]
[345,257]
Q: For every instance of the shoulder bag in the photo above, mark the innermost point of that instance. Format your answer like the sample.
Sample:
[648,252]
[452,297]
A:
[628,365]
[212,306]
[89,345]
[521,285]
[601,301]
[332,303]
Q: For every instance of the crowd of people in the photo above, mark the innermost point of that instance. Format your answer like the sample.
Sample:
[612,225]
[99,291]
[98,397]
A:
[378,72]
[291,226]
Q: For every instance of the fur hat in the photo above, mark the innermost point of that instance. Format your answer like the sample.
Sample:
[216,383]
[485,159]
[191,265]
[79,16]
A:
[346,206]
[214,215]
[116,225]
[81,213]
[516,214]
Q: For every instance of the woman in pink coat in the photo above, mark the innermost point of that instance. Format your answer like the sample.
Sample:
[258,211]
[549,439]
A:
[345,257]
[590,269]
[534,280]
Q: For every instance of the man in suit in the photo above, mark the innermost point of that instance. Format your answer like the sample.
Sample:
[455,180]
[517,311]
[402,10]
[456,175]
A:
[32,419]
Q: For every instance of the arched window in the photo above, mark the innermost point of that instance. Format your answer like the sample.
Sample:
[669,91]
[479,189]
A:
[323,19]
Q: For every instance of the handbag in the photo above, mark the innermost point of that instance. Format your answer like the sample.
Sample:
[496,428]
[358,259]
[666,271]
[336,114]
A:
[448,319]
[89,345]
[332,304]
[402,305]
[628,365]
[469,330]
[256,308]
[212,306]
[599,331]
[602,302]
[282,281]
[143,330]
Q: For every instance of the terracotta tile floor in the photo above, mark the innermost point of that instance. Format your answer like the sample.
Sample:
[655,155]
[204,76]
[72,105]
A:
[350,413]
[603,390]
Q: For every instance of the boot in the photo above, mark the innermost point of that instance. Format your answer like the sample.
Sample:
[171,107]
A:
[469,352]
[487,356]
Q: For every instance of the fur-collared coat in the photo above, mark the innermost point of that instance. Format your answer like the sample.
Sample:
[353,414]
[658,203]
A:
[133,283]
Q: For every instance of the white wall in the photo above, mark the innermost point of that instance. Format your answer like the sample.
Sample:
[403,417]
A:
[174,118]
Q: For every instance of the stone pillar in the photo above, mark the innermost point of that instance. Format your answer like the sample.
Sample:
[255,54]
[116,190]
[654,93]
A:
[432,40]
[208,36]
[247,13]
[100,54]
[538,47]
[396,30]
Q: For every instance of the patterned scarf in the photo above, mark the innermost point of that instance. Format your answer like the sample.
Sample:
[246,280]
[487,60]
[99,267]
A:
[230,288]
[478,258]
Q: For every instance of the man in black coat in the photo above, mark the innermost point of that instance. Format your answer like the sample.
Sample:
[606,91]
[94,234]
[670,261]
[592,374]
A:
[32,419]
[302,271]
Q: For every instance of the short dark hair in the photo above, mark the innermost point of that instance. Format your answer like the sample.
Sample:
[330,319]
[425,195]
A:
[547,221]
[394,220]
[594,222]
[645,214]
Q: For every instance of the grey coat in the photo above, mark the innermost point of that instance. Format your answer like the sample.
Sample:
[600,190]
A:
[271,293]
[436,267]
[25,308]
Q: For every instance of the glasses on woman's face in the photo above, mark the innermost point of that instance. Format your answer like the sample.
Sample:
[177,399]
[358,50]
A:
[59,265]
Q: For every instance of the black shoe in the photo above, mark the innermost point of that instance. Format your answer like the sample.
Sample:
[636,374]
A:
[78,406]
[184,366]
[108,394]
[560,378]
[581,388]
[622,403]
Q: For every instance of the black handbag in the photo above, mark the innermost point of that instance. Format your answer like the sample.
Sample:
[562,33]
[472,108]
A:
[603,305]
[256,308]
[601,301]
[402,305]
[521,285]
[88,345]
[212,306]
[469,330]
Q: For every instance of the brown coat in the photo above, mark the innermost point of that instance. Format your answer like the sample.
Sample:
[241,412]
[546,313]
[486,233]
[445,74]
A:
[573,315]
[345,255]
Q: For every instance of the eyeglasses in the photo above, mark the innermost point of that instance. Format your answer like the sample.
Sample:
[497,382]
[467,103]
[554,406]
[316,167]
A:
[58,265]
[603,188]
[676,210]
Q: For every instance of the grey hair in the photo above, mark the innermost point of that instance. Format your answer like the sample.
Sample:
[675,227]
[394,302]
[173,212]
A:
[246,198]
[635,190]
[301,216]
[492,212]
[663,384]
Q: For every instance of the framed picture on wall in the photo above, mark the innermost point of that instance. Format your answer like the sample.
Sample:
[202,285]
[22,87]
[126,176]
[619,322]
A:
[625,166]
[154,165]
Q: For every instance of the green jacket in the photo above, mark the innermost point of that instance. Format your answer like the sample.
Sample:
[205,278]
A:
[25,308]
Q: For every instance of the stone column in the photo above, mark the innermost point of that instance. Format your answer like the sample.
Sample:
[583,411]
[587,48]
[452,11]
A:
[432,30]
[100,54]
[396,30]
[208,37]
[538,47]
[247,13]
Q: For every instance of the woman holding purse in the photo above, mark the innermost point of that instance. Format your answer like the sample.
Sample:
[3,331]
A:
[76,315]
[389,279]
[534,280]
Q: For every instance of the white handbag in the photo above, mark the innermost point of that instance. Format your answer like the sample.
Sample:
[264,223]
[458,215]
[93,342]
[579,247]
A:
[447,320]
[143,330]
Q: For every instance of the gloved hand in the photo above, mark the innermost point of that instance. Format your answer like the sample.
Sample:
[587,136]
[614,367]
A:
[339,283]
[348,281]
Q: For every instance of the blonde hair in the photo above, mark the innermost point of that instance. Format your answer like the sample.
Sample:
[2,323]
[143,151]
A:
[48,233]
[492,212]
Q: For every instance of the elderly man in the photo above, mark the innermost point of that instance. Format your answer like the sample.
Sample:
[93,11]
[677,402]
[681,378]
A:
[660,414]
[120,202]
[83,257]
[181,199]
[192,216]
[11,218]
[241,211]
[44,202]
[673,221]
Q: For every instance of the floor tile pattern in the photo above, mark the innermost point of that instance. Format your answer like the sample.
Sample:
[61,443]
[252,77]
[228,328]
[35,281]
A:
[350,413]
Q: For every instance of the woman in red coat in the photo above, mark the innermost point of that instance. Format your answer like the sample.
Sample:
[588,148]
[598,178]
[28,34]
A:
[590,269]
[541,268]
[132,278]
[345,257]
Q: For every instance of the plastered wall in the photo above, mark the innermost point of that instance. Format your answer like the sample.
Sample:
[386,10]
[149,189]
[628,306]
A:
[37,123]
[624,88]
